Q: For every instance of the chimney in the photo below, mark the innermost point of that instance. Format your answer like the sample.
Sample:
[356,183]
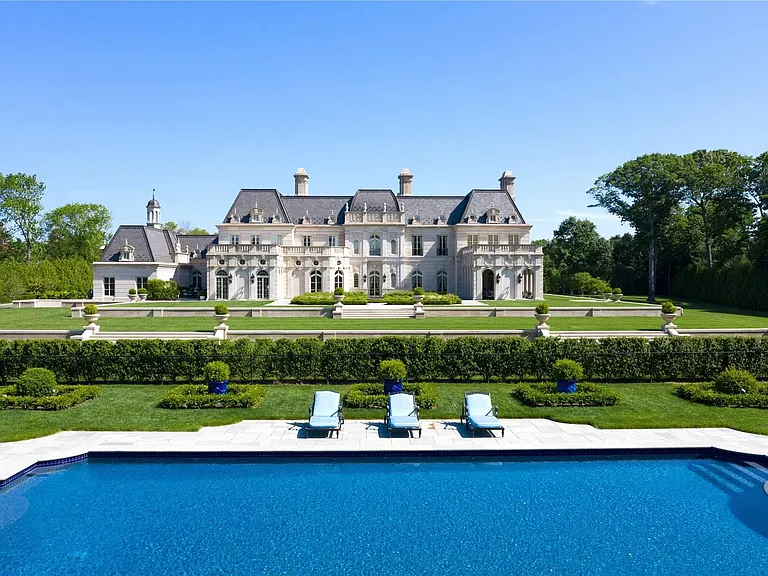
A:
[302,182]
[406,181]
[507,182]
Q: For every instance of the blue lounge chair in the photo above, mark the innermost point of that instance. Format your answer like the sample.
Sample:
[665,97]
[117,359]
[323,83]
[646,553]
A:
[402,414]
[479,413]
[325,413]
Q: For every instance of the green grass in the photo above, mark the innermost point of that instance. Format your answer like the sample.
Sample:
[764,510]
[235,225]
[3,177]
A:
[195,304]
[558,300]
[696,315]
[135,408]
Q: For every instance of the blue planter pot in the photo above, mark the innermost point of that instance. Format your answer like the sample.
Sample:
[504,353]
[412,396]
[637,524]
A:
[566,385]
[217,387]
[393,386]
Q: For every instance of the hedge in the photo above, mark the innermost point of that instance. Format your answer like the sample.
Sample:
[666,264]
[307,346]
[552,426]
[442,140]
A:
[196,396]
[547,395]
[314,299]
[704,393]
[65,397]
[427,359]
[743,286]
[65,278]
[372,395]
[162,289]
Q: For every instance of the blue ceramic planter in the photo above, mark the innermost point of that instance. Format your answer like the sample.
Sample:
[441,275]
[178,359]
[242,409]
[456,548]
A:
[217,387]
[393,386]
[566,385]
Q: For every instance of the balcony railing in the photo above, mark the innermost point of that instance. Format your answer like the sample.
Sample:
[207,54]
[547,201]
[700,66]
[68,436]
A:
[502,249]
[275,249]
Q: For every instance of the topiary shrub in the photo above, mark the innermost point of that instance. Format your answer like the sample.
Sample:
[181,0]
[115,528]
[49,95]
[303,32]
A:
[356,298]
[90,309]
[338,291]
[314,299]
[36,382]
[132,291]
[667,307]
[418,291]
[733,381]
[617,291]
[197,396]
[398,297]
[142,291]
[372,395]
[162,289]
[391,370]
[567,371]
[221,309]
[542,308]
[217,371]
[547,395]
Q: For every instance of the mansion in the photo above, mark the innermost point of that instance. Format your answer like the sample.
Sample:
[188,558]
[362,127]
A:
[271,246]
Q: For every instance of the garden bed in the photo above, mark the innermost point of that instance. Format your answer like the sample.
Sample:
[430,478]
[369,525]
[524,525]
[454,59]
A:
[546,394]
[372,395]
[705,393]
[65,397]
[197,396]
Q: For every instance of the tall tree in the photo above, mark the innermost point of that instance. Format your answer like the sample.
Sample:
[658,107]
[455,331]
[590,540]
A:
[709,177]
[77,230]
[642,192]
[757,183]
[184,227]
[21,202]
[576,246]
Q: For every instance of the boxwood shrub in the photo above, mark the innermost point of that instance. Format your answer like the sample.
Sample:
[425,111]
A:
[196,396]
[372,395]
[162,289]
[567,371]
[399,297]
[546,394]
[734,381]
[355,298]
[36,382]
[63,397]
[705,393]
[314,299]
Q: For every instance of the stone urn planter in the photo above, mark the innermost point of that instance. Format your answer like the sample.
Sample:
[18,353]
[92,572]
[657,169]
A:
[607,295]
[417,298]
[616,297]
[143,297]
[338,298]
[133,297]
[542,318]
[91,319]
[668,318]
[221,318]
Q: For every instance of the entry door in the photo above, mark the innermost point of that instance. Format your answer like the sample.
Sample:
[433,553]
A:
[262,286]
[489,288]
[374,284]
[222,287]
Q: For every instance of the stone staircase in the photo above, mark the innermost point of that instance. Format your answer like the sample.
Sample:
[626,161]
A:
[377,312]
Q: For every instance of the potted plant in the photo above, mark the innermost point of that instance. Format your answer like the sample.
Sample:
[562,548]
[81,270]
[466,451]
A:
[217,375]
[668,312]
[91,314]
[142,292]
[567,373]
[338,294]
[392,373]
[221,313]
[617,294]
[542,313]
[132,295]
[418,294]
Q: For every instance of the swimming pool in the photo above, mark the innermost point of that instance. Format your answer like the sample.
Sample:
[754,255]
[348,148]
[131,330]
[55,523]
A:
[632,516]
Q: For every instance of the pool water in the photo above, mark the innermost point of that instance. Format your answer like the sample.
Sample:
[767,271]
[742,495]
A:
[618,517]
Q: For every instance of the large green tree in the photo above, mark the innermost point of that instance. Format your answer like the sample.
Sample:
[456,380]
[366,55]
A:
[643,192]
[77,230]
[757,183]
[577,246]
[21,202]
[185,228]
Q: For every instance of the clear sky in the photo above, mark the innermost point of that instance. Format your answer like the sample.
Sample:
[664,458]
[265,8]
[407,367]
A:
[106,101]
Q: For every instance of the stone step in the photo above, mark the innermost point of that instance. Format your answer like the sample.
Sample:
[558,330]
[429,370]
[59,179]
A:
[151,336]
[378,312]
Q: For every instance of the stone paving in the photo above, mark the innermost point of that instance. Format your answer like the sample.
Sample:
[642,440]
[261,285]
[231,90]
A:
[261,436]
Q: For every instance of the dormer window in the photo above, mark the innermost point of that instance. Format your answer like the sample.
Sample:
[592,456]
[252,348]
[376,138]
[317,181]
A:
[442,218]
[306,219]
[416,219]
[472,218]
[257,215]
[126,252]
[493,216]
[331,219]
[276,218]
[234,217]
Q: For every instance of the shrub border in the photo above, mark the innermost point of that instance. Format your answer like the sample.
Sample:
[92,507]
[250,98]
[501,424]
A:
[67,397]
[372,395]
[704,393]
[546,394]
[193,396]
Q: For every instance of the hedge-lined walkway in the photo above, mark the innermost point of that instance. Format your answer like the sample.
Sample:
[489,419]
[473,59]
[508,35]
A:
[135,408]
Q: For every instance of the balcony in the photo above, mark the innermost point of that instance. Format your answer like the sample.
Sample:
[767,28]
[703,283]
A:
[244,249]
[313,250]
[527,249]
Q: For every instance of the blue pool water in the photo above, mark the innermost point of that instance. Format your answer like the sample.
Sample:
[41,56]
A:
[616,517]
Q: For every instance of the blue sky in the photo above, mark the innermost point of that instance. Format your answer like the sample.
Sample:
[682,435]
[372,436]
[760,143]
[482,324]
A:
[106,101]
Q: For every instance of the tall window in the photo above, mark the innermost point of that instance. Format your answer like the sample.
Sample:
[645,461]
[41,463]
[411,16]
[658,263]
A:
[109,286]
[338,279]
[255,240]
[307,241]
[316,281]
[222,285]
[332,241]
[417,280]
[393,247]
[235,239]
[356,280]
[374,247]
[442,281]
[141,282]
[514,239]
[393,278]
[356,247]
[493,238]
[197,280]
[472,240]
[277,240]
[442,245]
[417,246]
[262,285]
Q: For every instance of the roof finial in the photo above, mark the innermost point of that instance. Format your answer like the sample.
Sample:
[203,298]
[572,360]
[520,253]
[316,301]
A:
[153,193]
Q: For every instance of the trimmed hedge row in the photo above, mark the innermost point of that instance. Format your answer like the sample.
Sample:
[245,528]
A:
[705,393]
[197,396]
[45,279]
[744,286]
[547,395]
[427,359]
[65,397]
[372,395]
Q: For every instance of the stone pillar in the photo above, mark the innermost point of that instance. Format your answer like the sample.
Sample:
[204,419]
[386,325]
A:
[538,282]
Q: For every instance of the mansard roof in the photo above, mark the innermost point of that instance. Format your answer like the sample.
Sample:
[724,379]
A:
[268,199]
[149,244]
[197,241]
[429,209]
[480,201]
[373,201]
[318,208]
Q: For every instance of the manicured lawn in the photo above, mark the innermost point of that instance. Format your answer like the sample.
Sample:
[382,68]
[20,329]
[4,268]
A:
[696,315]
[135,408]
[195,304]
[558,300]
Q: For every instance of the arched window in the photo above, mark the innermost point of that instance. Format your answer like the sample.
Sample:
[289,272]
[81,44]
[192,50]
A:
[338,279]
[442,281]
[393,247]
[222,285]
[316,281]
[356,247]
[375,245]
[417,280]
[356,281]
[197,280]
[262,285]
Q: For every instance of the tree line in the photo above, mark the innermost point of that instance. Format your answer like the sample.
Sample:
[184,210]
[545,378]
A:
[700,224]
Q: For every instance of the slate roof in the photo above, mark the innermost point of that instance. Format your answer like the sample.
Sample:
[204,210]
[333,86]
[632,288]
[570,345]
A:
[374,201]
[268,199]
[150,244]
[197,240]
[480,201]
[319,208]
[429,209]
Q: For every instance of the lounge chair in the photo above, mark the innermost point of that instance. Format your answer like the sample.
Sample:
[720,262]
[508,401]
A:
[479,413]
[325,413]
[402,414]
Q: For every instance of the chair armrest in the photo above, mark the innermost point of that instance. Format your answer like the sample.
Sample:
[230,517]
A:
[416,410]
[341,414]
[496,411]
[310,412]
